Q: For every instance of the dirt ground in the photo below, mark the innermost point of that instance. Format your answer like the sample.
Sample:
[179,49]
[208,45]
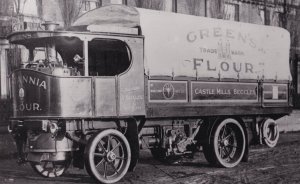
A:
[277,165]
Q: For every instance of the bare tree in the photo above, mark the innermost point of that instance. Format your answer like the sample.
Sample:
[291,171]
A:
[39,4]
[70,10]
[139,3]
[6,7]
[289,19]
[216,9]
[18,5]
[193,7]
[150,4]
[9,7]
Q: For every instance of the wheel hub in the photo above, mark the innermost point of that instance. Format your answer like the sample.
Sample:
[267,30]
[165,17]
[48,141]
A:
[111,156]
[226,142]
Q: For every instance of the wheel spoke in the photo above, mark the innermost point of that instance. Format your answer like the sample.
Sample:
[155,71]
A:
[221,152]
[119,144]
[45,165]
[99,155]
[108,143]
[54,169]
[219,140]
[224,132]
[101,146]
[100,162]
[228,136]
[226,153]
[105,169]
[115,169]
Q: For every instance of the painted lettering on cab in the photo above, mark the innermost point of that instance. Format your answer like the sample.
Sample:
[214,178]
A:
[28,107]
[34,81]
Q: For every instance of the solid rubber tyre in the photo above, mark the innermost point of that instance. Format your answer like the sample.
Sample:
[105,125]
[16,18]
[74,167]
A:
[107,156]
[270,133]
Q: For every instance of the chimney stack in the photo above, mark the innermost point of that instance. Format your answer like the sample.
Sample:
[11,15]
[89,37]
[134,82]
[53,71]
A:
[50,26]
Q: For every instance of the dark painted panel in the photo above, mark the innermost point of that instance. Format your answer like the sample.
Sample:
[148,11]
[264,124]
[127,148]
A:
[167,91]
[36,94]
[275,93]
[217,92]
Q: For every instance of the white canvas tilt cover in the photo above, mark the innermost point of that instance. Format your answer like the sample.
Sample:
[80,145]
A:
[186,45]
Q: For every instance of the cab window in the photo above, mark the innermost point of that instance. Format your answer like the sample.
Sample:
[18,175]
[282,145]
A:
[108,57]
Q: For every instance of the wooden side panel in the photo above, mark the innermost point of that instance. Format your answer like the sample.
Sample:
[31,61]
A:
[190,98]
[275,94]
[224,92]
[131,84]
[175,111]
[160,91]
[105,97]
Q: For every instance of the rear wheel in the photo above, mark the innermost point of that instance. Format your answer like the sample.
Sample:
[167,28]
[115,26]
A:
[228,143]
[270,133]
[107,156]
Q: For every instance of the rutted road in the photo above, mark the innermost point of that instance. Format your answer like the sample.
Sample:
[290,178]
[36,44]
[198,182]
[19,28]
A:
[278,165]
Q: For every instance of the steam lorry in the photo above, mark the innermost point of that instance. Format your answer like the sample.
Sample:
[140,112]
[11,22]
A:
[121,79]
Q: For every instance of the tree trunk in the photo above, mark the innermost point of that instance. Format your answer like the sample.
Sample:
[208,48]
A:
[150,4]
[216,9]
[6,7]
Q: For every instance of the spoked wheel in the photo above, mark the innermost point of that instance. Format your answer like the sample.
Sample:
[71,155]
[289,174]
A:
[50,169]
[228,143]
[270,133]
[107,156]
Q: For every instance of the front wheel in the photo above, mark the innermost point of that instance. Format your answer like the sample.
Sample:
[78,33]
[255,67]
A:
[107,156]
[50,169]
[228,143]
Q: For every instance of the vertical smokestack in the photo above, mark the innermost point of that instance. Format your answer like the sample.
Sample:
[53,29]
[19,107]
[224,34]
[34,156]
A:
[50,26]
[50,48]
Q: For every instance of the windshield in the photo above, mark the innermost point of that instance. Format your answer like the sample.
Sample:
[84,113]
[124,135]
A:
[64,55]
[55,55]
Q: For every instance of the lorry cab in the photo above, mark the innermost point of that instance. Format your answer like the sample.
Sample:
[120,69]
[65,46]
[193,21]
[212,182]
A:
[79,74]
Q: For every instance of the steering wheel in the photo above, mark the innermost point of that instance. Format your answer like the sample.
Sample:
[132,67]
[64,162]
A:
[39,66]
